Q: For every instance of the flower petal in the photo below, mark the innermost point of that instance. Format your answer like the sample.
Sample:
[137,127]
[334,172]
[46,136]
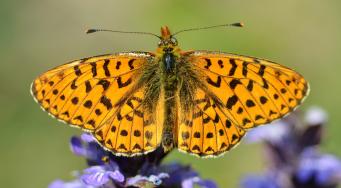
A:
[116,176]
[316,116]
[86,137]
[142,181]
[95,176]
[77,146]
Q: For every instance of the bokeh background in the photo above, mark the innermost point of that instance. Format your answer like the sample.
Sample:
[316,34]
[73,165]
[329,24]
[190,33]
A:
[37,35]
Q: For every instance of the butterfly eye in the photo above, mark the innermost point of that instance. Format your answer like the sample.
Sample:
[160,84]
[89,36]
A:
[160,43]
[174,41]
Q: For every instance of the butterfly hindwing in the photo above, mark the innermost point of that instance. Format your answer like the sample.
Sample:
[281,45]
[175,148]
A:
[132,130]
[207,131]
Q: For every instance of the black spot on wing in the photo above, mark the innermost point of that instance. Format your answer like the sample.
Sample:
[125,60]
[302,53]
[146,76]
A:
[93,69]
[221,63]
[137,133]
[104,83]
[233,68]
[73,84]
[250,103]
[118,64]
[106,102]
[105,67]
[244,71]
[87,86]
[123,84]
[87,104]
[74,100]
[130,63]
[208,63]
[77,70]
[250,85]
[231,101]
[261,70]
[214,83]
[233,84]
[265,84]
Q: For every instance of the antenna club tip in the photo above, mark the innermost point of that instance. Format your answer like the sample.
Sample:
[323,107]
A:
[88,31]
[239,24]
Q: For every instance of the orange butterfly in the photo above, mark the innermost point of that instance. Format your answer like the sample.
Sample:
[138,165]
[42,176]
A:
[198,101]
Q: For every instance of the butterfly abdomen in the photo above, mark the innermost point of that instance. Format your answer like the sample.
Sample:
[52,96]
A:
[169,87]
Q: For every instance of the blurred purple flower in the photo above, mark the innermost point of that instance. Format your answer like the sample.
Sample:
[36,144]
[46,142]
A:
[323,169]
[294,160]
[185,177]
[99,175]
[110,171]
[267,181]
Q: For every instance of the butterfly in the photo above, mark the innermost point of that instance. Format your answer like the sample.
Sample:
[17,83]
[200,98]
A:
[201,102]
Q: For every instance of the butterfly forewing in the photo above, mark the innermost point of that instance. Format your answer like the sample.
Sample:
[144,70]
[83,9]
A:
[88,94]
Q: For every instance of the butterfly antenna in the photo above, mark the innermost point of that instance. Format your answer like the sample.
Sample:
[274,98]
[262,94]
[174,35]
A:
[128,32]
[239,24]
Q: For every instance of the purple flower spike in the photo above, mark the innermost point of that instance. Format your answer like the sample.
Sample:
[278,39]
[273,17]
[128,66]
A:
[98,176]
[294,160]
[142,181]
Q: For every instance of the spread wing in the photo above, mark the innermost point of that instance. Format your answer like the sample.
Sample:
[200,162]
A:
[88,94]
[242,93]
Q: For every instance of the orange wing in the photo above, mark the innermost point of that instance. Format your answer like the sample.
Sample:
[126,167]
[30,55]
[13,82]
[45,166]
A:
[253,92]
[85,93]
[208,130]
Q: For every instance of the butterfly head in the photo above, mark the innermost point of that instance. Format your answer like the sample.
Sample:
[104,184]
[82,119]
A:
[167,41]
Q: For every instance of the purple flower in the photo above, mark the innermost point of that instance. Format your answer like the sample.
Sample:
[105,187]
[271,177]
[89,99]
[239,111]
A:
[324,169]
[110,171]
[184,176]
[294,161]
[267,181]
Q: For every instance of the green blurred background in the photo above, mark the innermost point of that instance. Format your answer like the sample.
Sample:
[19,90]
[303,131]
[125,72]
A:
[37,35]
